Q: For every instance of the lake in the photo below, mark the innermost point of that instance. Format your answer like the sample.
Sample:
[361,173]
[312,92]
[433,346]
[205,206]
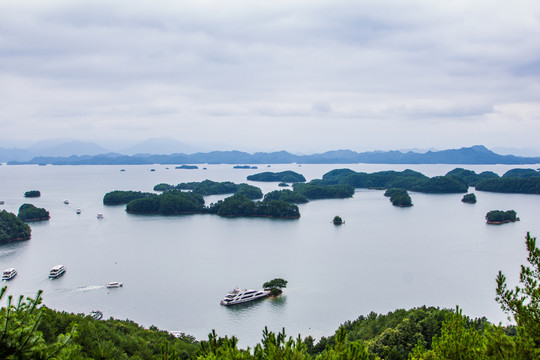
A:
[176,269]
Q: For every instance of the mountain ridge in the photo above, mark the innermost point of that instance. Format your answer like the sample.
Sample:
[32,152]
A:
[477,154]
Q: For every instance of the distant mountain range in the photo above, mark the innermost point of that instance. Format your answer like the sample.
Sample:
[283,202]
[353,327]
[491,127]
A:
[468,155]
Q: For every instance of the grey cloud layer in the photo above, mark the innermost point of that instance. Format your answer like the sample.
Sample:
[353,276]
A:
[182,68]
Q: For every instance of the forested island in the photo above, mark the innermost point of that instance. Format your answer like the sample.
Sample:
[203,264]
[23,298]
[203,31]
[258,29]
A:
[469,198]
[286,195]
[399,197]
[209,187]
[518,181]
[187,167]
[423,333]
[121,197]
[32,194]
[284,176]
[182,202]
[28,212]
[501,217]
[12,228]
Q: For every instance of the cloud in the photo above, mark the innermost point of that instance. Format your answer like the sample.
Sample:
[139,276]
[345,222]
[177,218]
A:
[135,69]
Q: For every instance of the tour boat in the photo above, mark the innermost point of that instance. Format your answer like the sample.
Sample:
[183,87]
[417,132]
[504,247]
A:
[78,211]
[66,202]
[238,296]
[57,271]
[100,216]
[9,274]
[114,284]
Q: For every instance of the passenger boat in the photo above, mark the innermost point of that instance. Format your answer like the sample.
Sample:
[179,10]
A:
[57,271]
[238,296]
[66,202]
[78,211]
[9,274]
[114,284]
[100,216]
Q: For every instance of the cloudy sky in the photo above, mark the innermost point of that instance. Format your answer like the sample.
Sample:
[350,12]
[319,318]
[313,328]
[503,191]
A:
[300,75]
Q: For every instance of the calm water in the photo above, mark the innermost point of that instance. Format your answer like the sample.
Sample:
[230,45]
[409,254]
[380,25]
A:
[176,269]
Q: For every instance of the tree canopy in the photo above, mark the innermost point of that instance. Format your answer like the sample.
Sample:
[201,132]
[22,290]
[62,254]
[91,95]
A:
[13,228]
[28,212]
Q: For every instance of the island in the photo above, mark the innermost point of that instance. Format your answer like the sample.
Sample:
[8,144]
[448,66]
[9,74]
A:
[244,167]
[284,176]
[286,195]
[28,212]
[32,194]
[209,187]
[399,197]
[338,220]
[501,217]
[407,179]
[317,189]
[13,228]
[187,167]
[121,197]
[181,202]
[469,198]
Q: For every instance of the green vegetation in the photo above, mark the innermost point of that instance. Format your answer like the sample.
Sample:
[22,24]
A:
[244,167]
[470,177]
[119,197]
[516,185]
[521,173]
[407,179]
[238,205]
[163,187]
[320,190]
[284,176]
[275,286]
[28,212]
[500,217]
[337,220]
[286,195]
[469,198]
[399,197]
[168,203]
[282,184]
[209,187]
[249,191]
[12,228]
[32,194]
[187,167]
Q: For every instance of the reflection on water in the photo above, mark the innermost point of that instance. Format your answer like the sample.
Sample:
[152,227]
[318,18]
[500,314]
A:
[245,307]
[278,301]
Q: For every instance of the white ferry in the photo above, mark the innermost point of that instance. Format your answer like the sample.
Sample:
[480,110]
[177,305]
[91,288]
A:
[114,284]
[78,211]
[100,216]
[9,274]
[57,271]
[66,202]
[238,296]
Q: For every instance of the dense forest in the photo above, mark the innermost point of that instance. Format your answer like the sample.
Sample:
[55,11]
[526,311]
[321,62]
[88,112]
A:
[499,216]
[286,195]
[469,198]
[32,194]
[30,331]
[399,197]
[521,181]
[12,228]
[28,212]
[120,197]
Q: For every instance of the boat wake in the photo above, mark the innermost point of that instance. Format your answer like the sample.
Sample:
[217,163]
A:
[88,288]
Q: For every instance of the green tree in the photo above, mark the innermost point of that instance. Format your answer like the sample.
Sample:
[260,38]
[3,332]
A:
[19,337]
[523,302]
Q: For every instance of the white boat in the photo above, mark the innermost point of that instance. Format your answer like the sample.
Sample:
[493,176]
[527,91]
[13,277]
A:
[114,284]
[66,202]
[78,211]
[57,271]
[9,274]
[100,216]
[238,296]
